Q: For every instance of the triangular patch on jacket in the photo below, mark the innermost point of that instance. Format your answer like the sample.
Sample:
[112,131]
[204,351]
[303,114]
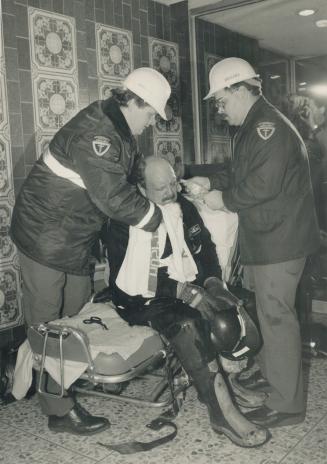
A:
[266,130]
[101,145]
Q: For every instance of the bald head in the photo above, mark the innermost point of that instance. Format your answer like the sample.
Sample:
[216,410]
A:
[160,181]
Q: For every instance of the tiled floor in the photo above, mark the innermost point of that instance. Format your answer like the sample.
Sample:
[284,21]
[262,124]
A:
[25,438]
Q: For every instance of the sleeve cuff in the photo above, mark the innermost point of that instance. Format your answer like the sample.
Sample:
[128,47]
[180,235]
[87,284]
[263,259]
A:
[226,195]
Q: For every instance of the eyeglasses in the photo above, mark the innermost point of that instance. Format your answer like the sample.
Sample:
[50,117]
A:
[220,105]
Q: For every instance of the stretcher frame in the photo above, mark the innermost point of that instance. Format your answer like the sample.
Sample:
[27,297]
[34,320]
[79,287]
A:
[48,339]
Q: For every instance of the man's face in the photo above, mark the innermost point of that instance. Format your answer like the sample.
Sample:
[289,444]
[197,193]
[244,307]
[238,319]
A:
[231,105]
[143,117]
[161,186]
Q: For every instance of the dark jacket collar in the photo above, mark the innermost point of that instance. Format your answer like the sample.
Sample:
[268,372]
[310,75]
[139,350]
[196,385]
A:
[256,107]
[111,109]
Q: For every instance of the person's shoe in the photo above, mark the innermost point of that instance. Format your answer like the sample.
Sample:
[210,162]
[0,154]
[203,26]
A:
[246,397]
[254,381]
[103,296]
[270,418]
[78,421]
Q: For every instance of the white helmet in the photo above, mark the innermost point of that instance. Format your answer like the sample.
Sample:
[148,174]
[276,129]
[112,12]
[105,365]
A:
[231,71]
[151,86]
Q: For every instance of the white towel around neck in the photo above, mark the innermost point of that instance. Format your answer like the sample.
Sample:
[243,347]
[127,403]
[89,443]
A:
[133,276]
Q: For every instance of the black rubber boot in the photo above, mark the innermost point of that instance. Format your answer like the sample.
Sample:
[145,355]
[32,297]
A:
[192,348]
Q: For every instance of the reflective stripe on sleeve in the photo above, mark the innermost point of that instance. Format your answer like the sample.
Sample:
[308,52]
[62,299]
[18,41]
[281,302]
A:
[60,170]
[147,217]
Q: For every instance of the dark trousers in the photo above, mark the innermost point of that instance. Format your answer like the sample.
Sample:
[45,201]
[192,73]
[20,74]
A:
[48,295]
[170,316]
[280,358]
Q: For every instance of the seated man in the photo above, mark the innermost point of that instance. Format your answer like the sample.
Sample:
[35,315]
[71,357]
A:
[150,276]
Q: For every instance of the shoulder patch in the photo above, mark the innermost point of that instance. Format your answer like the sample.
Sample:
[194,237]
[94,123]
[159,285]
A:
[266,129]
[101,145]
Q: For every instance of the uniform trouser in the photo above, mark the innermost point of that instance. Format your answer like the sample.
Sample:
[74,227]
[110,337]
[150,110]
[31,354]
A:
[173,319]
[280,357]
[48,295]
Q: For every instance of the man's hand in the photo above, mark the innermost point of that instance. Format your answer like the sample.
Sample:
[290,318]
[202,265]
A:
[196,186]
[214,200]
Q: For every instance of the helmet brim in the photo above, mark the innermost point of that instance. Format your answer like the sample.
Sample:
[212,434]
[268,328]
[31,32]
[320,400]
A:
[254,81]
[252,338]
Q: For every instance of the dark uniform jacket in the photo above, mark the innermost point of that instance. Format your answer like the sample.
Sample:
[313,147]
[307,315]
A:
[116,234]
[271,189]
[56,222]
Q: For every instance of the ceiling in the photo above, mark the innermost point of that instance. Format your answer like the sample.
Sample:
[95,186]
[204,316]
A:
[276,25]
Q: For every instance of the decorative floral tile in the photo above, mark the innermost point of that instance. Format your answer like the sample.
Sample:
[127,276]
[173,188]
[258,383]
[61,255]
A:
[6,181]
[173,126]
[52,41]
[55,101]
[42,143]
[105,88]
[7,248]
[164,57]
[114,52]
[10,306]
[170,149]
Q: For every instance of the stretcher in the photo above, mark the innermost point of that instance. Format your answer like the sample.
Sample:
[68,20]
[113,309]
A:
[89,359]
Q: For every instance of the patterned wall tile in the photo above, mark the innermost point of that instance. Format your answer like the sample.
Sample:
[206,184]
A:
[55,101]
[170,149]
[114,52]
[173,126]
[10,305]
[164,57]
[52,41]
[105,88]
[42,143]
[6,182]
[7,248]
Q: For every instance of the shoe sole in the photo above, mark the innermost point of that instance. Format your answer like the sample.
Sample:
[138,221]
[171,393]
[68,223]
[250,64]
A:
[72,432]
[281,422]
[237,439]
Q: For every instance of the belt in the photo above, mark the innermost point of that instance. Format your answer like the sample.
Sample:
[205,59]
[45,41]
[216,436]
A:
[60,170]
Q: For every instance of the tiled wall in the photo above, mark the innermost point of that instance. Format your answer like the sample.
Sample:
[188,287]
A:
[29,81]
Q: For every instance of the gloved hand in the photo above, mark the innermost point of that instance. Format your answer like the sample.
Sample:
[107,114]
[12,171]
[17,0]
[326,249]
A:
[198,298]
[218,290]
[197,186]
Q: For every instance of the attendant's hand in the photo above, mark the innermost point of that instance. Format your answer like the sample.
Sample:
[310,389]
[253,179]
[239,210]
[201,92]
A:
[214,200]
[197,186]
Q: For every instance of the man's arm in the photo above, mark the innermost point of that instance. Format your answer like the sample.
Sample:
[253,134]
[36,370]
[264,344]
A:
[106,182]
